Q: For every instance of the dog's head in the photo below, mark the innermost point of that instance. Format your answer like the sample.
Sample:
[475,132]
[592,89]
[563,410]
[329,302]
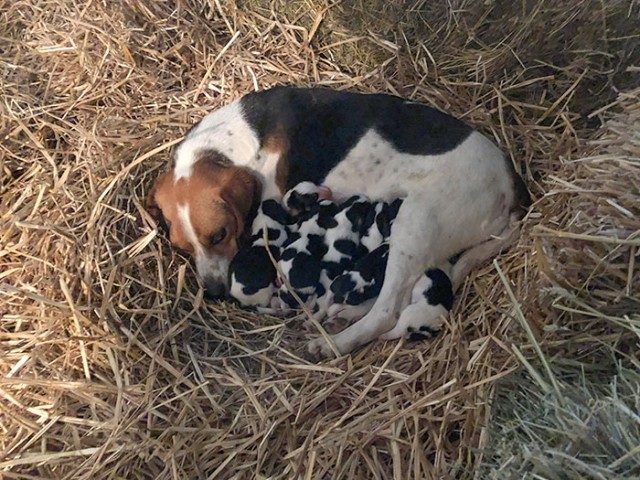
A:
[205,211]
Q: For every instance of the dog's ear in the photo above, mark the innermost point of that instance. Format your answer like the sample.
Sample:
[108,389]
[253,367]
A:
[152,202]
[242,192]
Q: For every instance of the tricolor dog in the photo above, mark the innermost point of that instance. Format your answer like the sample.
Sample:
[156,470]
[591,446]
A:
[459,191]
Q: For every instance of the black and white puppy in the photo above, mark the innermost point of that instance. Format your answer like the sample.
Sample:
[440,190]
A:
[303,199]
[377,228]
[431,301]
[355,292]
[252,274]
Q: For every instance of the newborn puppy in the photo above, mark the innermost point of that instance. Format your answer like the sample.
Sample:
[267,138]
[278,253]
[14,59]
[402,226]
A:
[377,227]
[342,237]
[431,300]
[252,275]
[353,292]
[301,264]
[304,197]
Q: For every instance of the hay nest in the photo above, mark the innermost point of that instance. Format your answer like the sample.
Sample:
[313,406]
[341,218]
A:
[112,364]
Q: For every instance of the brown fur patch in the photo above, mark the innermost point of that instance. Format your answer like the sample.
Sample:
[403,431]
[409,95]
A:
[218,197]
[278,143]
[282,173]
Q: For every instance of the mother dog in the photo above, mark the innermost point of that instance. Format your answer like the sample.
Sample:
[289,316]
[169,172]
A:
[460,191]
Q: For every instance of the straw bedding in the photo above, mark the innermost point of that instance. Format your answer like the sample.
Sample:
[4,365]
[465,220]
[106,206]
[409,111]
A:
[113,365]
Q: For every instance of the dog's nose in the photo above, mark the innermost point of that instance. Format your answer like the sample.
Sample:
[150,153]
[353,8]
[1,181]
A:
[214,290]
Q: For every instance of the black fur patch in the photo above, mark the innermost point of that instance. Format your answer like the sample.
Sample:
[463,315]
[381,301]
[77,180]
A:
[322,125]
[441,291]
[341,287]
[326,216]
[385,218]
[272,209]
[253,269]
[357,214]
[302,203]
[273,234]
[373,265]
[305,271]
[417,337]
[317,248]
[346,247]
[333,269]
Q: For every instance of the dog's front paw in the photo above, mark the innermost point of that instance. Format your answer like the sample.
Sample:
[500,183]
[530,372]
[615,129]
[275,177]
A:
[318,348]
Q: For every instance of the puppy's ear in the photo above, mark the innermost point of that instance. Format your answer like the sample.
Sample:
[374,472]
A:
[242,192]
[152,203]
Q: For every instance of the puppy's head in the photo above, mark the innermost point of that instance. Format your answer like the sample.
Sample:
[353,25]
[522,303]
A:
[205,214]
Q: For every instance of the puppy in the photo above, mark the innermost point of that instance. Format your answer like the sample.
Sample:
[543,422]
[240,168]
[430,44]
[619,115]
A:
[304,197]
[431,301]
[354,292]
[252,274]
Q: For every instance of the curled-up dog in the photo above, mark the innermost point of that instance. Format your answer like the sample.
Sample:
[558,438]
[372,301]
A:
[460,192]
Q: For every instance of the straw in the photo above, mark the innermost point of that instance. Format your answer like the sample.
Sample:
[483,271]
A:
[112,363]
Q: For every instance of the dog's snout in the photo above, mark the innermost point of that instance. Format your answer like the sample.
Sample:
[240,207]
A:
[214,290]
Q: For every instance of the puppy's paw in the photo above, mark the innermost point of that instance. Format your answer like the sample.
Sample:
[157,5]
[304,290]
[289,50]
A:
[319,349]
[424,332]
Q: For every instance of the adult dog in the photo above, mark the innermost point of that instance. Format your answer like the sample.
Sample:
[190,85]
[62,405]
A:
[460,191]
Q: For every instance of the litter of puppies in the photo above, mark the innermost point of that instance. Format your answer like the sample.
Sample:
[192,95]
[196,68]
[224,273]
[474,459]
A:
[333,255]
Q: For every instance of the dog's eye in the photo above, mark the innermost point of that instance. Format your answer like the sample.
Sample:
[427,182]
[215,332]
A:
[218,236]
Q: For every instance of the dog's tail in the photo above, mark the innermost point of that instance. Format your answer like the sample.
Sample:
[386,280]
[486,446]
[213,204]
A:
[522,200]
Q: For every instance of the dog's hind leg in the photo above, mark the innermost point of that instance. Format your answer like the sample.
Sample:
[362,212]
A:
[431,226]
[412,247]
[481,253]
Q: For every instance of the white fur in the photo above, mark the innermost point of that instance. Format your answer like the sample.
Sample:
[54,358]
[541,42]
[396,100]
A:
[213,133]
[226,131]
[417,315]
[208,266]
[399,174]
[452,201]
[349,313]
